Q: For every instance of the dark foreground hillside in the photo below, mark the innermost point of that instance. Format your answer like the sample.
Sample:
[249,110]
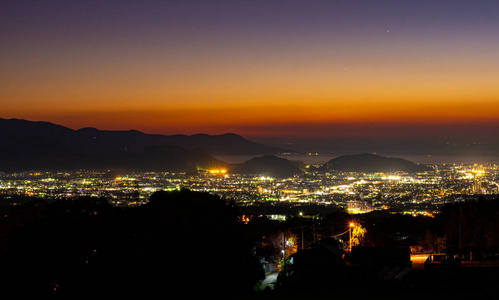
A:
[180,241]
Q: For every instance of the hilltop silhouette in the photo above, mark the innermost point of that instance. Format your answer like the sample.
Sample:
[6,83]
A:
[92,140]
[43,145]
[40,154]
[267,165]
[28,145]
[369,163]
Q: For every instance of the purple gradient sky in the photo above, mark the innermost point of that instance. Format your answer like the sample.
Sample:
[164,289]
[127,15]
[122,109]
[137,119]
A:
[258,68]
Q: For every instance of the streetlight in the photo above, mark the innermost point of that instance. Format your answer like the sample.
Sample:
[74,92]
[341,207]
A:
[350,231]
[283,246]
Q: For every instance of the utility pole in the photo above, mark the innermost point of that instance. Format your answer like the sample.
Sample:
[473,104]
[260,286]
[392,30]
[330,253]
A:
[351,225]
[283,246]
[460,212]
[302,238]
[313,228]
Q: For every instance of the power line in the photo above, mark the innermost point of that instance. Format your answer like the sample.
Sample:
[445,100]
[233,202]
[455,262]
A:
[341,233]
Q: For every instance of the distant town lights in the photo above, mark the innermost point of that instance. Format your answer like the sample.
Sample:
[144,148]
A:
[218,171]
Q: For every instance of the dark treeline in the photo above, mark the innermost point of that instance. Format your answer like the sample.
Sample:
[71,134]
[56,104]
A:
[195,242]
[470,226]
[459,228]
[179,241]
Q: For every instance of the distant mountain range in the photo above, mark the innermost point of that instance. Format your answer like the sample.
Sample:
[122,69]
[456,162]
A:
[370,163]
[92,140]
[27,145]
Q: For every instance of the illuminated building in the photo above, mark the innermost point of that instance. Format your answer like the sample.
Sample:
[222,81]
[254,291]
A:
[476,188]
[359,206]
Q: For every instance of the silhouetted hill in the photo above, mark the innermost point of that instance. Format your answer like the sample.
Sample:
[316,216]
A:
[15,130]
[33,153]
[155,158]
[40,154]
[372,163]
[27,145]
[92,140]
[228,143]
[267,165]
[173,158]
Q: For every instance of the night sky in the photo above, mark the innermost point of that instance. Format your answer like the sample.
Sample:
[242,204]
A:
[262,69]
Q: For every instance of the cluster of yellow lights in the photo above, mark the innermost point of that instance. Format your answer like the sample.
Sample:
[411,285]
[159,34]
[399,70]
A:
[218,171]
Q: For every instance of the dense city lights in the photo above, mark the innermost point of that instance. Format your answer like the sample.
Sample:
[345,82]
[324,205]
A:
[415,194]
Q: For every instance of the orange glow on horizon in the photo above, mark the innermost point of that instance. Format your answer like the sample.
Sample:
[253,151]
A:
[286,97]
[235,73]
[253,119]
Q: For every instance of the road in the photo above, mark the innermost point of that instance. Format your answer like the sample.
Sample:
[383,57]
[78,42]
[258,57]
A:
[269,281]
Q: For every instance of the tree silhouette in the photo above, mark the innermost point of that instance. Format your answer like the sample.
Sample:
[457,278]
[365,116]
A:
[470,225]
[285,243]
[358,234]
[431,244]
[180,240]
